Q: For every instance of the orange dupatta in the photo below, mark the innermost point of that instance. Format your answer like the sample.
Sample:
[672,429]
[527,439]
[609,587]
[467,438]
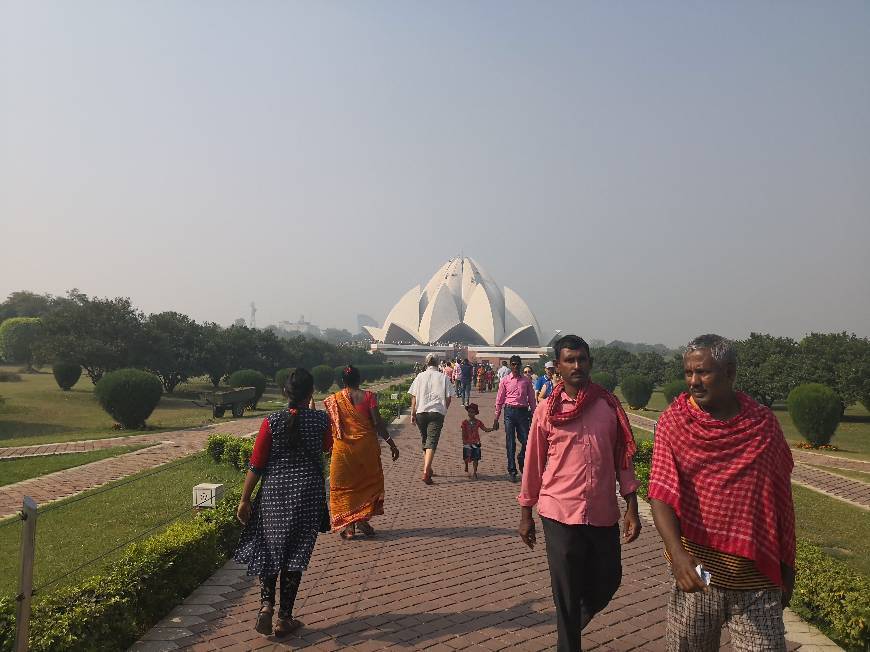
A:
[356,479]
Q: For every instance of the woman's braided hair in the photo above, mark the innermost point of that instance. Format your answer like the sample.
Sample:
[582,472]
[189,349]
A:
[298,389]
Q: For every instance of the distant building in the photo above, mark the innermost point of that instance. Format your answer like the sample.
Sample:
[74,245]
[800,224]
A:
[461,308]
[301,327]
[362,321]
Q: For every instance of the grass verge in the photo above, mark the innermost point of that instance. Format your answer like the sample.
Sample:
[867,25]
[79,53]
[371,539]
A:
[80,528]
[840,529]
[25,468]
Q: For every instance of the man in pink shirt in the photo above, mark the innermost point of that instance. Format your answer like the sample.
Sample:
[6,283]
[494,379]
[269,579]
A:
[579,446]
[517,396]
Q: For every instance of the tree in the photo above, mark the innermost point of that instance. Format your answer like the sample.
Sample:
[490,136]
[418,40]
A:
[613,360]
[99,334]
[766,367]
[25,304]
[649,364]
[172,340]
[19,337]
[212,352]
[337,336]
[839,360]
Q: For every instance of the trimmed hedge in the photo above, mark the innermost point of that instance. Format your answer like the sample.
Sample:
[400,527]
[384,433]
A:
[637,390]
[66,374]
[129,395]
[606,379]
[249,378]
[673,389]
[281,377]
[323,377]
[829,593]
[642,465]
[111,611]
[816,410]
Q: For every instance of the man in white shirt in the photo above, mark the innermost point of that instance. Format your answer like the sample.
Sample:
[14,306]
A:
[430,398]
[503,371]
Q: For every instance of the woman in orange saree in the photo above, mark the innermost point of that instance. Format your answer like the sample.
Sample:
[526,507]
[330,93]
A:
[356,478]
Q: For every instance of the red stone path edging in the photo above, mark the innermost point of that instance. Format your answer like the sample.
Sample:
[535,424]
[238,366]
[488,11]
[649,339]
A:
[445,572]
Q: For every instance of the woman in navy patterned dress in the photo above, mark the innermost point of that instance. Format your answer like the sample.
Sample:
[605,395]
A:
[282,523]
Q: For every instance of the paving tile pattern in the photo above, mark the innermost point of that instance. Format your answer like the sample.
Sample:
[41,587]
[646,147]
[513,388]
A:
[852,491]
[61,484]
[445,572]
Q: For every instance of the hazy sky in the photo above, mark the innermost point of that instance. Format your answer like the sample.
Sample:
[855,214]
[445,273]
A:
[641,171]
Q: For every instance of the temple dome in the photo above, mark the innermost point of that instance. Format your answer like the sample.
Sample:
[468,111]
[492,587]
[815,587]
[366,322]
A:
[460,303]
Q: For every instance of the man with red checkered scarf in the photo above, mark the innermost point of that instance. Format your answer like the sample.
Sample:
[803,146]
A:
[720,491]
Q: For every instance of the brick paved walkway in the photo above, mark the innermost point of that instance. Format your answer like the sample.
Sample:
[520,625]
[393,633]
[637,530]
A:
[445,572]
[61,484]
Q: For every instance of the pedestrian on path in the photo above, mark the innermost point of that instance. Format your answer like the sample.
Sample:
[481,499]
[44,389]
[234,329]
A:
[281,525]
[544,385]
[467,381]
[720,491]
[430,399]
[356,478]
[457,378]
[471,428]
[503,370]
[517,396]
[580,445]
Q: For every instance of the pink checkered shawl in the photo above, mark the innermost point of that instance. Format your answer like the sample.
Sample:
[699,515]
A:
[729,482]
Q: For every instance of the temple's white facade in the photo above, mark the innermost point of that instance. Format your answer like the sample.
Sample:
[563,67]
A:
[461,303]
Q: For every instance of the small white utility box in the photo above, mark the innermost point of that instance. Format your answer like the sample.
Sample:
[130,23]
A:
[207,494]
[394,396]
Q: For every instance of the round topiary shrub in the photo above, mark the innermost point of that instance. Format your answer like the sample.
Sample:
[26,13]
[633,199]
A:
[815,410]
[604,378]
[637,390]
[281,377]
[66,374]
[323,377]
[249,378]
[129,395]
[673,389]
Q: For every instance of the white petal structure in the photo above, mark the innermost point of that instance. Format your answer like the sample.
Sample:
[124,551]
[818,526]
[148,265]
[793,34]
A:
[460,303]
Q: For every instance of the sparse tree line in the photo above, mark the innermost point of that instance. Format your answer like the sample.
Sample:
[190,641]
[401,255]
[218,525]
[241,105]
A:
[100,335]
[768,367]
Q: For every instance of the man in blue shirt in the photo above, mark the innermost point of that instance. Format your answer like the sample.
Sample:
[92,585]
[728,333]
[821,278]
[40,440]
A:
[544,384]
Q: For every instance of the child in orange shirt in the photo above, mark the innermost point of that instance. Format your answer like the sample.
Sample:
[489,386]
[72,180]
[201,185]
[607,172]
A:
[471,428]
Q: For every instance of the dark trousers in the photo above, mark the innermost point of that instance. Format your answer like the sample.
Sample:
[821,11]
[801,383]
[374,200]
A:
[516,427]
[289,588]
[585,571]
[466,391]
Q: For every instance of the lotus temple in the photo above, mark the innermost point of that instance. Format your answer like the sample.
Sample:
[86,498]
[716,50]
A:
[461,311]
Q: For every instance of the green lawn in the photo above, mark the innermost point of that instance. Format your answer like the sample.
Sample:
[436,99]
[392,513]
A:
[24,468]
[36,411]
[73,531]
[843,531]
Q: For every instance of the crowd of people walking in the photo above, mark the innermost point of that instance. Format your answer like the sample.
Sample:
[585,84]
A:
[719,487]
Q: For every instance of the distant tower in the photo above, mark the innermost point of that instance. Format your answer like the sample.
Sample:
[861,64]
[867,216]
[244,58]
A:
[253,315]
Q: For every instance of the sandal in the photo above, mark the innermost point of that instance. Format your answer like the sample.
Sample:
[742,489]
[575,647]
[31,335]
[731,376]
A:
[365,528]
[286,625]
[264,619]
[427,478]
[347,533]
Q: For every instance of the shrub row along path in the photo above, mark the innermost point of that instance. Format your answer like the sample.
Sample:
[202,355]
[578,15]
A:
[169,446]
[849,490]
[445,572]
